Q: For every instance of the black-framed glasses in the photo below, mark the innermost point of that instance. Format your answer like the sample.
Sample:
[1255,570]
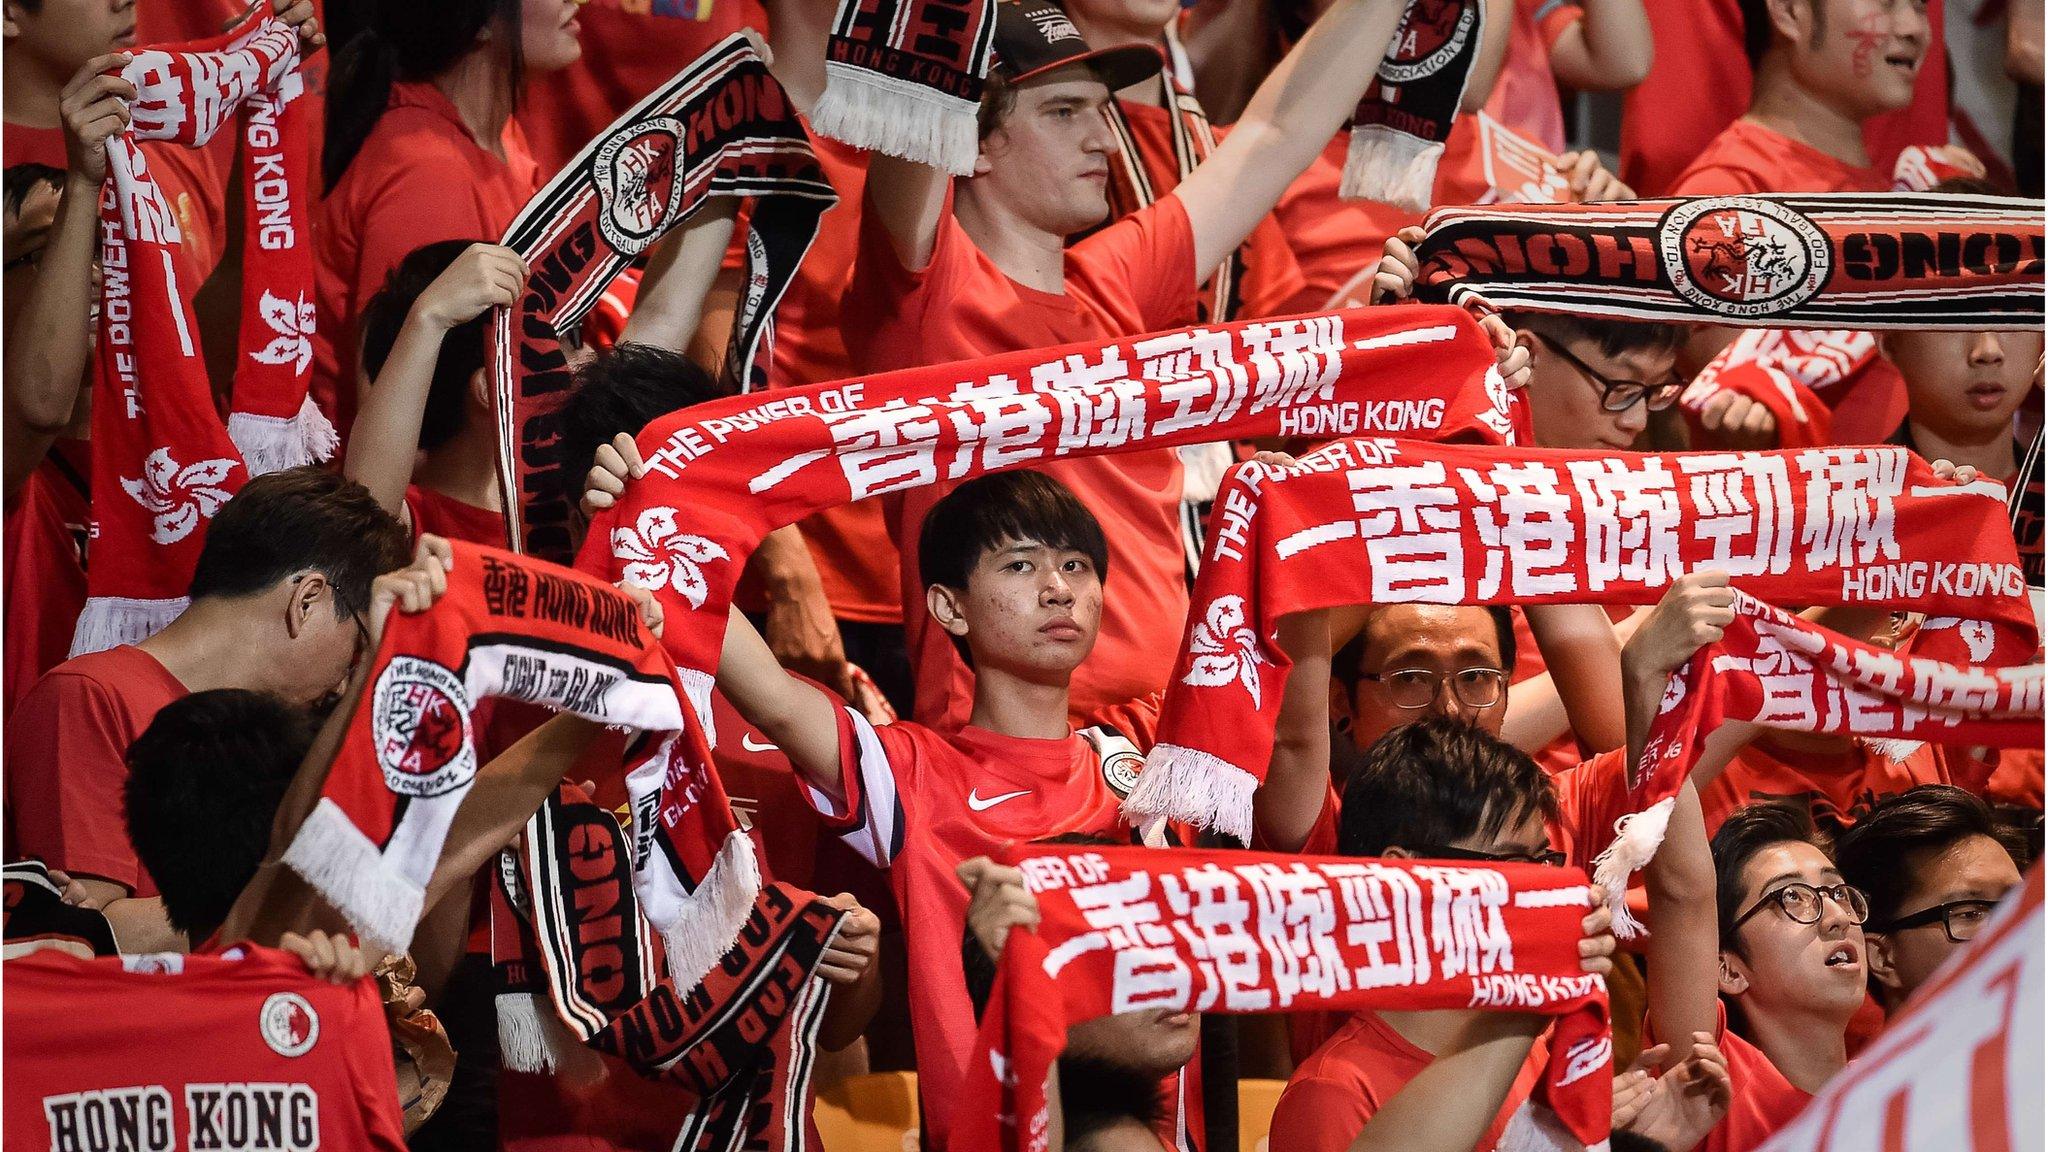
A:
[1619,395]
[1801,903]
[1417,687]
[1959,919]
[1545,856]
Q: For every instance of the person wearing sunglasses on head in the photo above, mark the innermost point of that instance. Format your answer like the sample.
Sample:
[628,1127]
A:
[1932,867]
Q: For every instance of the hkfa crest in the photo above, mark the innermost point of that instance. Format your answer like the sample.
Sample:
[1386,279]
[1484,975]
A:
[1737,256]
[1120,771]
[1431,35]
[420,722]
[638,191]
[288,1024]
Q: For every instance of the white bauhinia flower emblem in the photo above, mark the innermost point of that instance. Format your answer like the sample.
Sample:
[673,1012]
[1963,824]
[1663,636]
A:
[293,325]
[179,497]
[1225,648]
[656,553]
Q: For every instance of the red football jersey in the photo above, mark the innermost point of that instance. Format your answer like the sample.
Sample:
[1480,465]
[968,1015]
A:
[242,1050]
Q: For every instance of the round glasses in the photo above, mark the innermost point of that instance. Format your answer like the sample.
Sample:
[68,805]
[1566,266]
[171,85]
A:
[1417,687]
[1619,395]
[1801,903]
[1959,919]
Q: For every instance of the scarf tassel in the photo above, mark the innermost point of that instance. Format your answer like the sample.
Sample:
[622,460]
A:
[713,914]
[1636,838]
[111,621]
[897,118]
[532,1038]
[351,871]
[1389,166]
[1194,787]
[275,443]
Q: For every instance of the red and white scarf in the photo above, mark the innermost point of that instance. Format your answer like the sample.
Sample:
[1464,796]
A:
[521,629]
[163,463]
[1794,373]
[720,127]
[1839,260]
[904,78]
[1390,522]
[1399,128]
[1196,930]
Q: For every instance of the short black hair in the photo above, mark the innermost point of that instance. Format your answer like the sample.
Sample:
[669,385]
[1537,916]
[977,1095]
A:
[1757,32]
[986,511]
[1435,781]
[462,349]
[1612,337]
[1096,1095]
[624,389]
[1872,853]
[297,520]
[1350,656]
[1621,1140]
[21,179]
[204,782]
[1746,832]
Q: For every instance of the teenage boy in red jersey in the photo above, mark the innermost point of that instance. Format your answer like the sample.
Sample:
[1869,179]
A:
[1014,567]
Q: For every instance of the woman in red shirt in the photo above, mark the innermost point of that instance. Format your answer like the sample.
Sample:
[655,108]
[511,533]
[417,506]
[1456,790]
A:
[421,147]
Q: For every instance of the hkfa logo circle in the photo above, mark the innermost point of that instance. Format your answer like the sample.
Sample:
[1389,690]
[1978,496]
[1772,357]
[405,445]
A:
[1737,256]
[289,1024]
[637,189]
[1431,35]
[1120,771]
[420,722]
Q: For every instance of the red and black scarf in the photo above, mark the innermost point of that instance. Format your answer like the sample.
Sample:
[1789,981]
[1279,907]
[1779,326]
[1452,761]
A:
[1194,930]
[1131,187]
[904,78]
[1399,128]
[163,462]
[1837,260]
[721,127]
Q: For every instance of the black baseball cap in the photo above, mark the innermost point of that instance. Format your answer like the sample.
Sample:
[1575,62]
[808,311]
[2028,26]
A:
[1034,37]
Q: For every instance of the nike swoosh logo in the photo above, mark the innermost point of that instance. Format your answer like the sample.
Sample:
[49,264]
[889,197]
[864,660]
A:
[979,805]
[748,742]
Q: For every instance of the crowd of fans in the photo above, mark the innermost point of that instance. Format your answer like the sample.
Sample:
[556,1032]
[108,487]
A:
[909,683]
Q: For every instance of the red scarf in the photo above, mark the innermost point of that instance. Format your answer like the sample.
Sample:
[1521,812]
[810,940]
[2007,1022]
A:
[904,78]
[1129,929]
[1388,522]
[1787,371]
[1399,128]
[1848,260]
[163,463]
[720,127]
[509,627]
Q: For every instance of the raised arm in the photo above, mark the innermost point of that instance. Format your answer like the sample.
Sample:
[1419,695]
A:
[1451,1103]
[680,272]
[1298,779]
[44,372]
[1607,50]
[794,714]
[1286,126]
[1583,655]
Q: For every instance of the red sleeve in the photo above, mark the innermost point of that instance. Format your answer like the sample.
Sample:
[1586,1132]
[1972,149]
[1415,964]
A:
[1149,254]
[66,770]
[1552,18]
[1317,1114]
[879,772]
[884,303]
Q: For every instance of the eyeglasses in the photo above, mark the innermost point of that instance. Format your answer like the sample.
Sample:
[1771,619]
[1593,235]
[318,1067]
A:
[1417,687]
[1959,919]
[1446,852]
[1619,395]
[1801,903]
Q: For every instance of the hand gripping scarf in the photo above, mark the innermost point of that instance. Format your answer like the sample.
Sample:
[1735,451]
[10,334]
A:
[904,78]
[742,1041]
[1389,522]
[1132,929]
[1863,261]
[1765,365]
[162,462]
[1773,668]
[507,627]
[1399,128]
[721,127]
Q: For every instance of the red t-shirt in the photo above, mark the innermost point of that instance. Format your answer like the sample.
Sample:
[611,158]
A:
[917,804]
[1839,787]
[194,182]
[2000,775]
[420,178]
[45,530]
[1332,238]
[241,1050]
[67,762]
[444,515]
[1763,1101]
[1352,1076]
[1129,278]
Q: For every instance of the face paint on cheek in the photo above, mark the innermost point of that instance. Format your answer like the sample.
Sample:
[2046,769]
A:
[1868,35]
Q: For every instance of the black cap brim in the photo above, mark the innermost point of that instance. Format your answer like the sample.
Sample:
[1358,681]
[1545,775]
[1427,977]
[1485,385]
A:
[1117,67]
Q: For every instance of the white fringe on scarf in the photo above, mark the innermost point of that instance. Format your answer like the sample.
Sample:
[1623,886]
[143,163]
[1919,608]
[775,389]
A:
[347,868]
[1196,787]
[275,443]
[1636,838]
[895,117]
[1390,167]
[1534,1128]
[530,1037]
[712,916]
[111,621]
